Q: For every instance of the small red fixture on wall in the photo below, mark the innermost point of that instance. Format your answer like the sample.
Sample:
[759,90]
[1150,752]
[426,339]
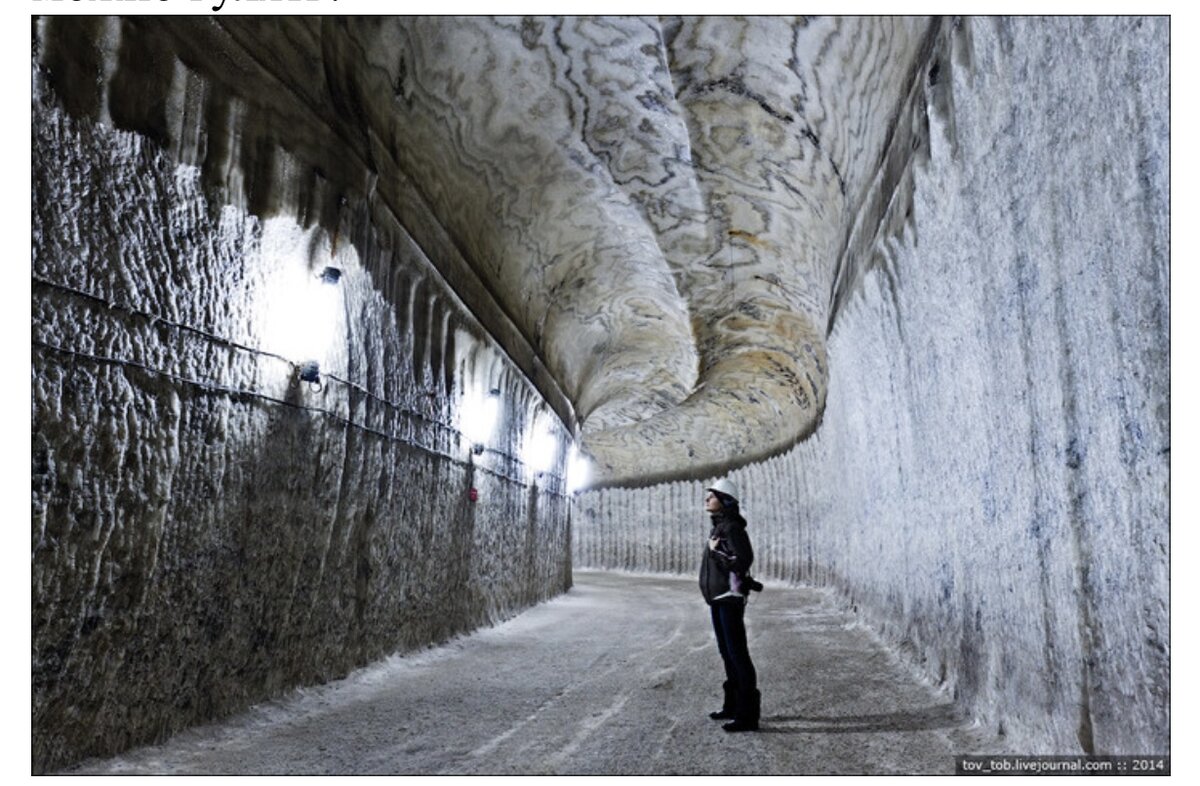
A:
[474,495]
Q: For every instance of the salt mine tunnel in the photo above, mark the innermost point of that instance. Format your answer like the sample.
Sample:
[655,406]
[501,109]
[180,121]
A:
[352,336]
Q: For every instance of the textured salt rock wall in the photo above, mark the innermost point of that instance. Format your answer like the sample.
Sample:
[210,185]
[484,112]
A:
[989,485]
[207,530]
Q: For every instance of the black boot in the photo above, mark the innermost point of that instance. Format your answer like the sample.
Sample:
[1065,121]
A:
[746,718]
[729,708]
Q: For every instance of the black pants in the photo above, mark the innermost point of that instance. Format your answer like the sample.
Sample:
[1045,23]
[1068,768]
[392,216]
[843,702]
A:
[729,623]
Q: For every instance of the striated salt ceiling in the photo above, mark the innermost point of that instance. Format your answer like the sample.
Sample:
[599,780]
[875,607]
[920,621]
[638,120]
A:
[659,209]
[658,204]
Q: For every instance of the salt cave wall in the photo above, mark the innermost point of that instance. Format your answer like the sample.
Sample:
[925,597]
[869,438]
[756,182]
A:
[208,530]
[989,484]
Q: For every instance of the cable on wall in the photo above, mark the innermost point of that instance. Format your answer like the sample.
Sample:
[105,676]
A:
[239,392]
[155,319]
[217,339]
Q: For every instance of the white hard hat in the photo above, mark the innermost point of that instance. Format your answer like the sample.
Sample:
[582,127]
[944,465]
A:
[725,486]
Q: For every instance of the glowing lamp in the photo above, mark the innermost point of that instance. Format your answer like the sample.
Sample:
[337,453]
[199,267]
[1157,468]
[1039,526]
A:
[479,416]
[542,449]
[579,471]
[301,319]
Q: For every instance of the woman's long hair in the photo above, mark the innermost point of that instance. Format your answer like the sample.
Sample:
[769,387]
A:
[729,505]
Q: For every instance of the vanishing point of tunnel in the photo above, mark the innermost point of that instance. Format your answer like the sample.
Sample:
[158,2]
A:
[376,358]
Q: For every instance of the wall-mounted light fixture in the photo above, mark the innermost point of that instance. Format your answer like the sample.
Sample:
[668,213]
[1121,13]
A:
[480,413]
[541,449]
[314,315]
[579,471]
[299,312]
[310,372]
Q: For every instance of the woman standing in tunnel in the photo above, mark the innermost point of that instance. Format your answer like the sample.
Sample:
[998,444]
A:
[725,581]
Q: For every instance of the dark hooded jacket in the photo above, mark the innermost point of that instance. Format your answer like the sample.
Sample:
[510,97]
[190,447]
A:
[733,554]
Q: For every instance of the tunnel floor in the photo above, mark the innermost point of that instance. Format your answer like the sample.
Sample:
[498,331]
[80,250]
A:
[617,676]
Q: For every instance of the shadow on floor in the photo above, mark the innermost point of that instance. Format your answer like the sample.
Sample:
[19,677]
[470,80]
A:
[939,716]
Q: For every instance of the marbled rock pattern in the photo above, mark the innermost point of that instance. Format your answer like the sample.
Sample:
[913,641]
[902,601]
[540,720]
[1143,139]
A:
[783,140]
[662,210]
[989,484]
